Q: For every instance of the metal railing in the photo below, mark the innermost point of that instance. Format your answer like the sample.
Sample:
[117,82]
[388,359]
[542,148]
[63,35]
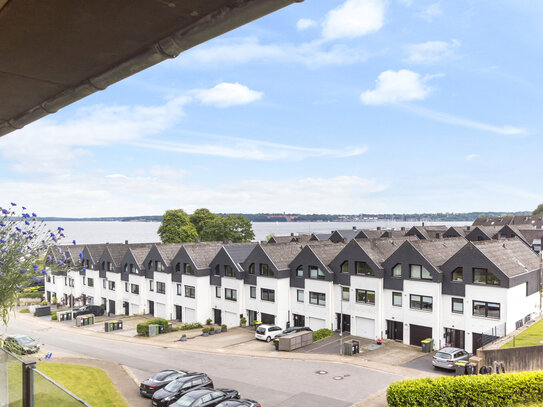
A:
[22,384]
[493,334]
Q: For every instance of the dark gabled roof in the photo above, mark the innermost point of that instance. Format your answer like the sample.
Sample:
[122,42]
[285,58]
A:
[140,253]
[531,235]
[168,251]
[511,256]
[239,252]
[322,236]
[438,251]
[370,233]
[326,251]
[202,254]
[393,233]
[488,231]
[493,221]
[461,230]
[428,232]
[516,231]
[348,234]
[96,251]
[281,239]
[282,254]
[118,250]
[533,221]
[381,249]
[73,251]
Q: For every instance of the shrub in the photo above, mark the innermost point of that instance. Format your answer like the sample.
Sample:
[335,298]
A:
[24,311]
[208,321]
[44,302]
[321,334]
[243,320]
[184,335]
[479,390]
[31,295]
[187,327]
[205,330]
[53,315]
[143,328]
[54,300]
[223,326]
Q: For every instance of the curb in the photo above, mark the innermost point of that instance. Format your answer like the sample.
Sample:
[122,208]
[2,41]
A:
[130,374]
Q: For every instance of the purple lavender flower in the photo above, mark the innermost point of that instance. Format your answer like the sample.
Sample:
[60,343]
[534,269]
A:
[13,204]
[2,241]
[34,215]
[49,257]
[5,211]
[22,271]
[73,241]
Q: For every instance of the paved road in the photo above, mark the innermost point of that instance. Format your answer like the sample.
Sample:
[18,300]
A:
[424,363]
[273,382]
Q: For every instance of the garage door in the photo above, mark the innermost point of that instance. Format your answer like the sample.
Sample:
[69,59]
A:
[316,323]
[365,328]
[160,310]
[230,319]
[418,333]
[134,309]
[190,315]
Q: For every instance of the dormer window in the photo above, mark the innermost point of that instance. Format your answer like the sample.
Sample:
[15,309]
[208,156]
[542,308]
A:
[133,269]
[187,269]
[103,265]
[458,274]
[125,268]
[109,266]
[416,271]
[217,270]
[316,273]
[362,269]
[150,265]
[483,276]
[345,267]
[300,271]
[228,271]
[397,271]
[252,268]
[265,270]
[178,267]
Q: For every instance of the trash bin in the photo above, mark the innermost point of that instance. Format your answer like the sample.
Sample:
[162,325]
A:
[460,367]
[471,368]
[427,345]
[356,347]
[170,326]
[91,319]
[153,330]
[106,326]
[119,325]
[348,348]
[160,329]
[276,343]
[257,324]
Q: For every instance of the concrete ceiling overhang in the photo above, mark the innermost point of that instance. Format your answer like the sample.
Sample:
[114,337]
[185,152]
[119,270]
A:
[55,52]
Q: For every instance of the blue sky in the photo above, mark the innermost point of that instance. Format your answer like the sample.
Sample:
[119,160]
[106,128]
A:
[350,106]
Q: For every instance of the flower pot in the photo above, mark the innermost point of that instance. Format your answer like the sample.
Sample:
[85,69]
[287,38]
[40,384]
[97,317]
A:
[205,334]
[183,339]
[212,332]
[218,331]
[223,329]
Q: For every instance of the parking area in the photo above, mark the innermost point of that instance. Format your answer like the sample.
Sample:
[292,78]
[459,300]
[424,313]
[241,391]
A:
[424,364]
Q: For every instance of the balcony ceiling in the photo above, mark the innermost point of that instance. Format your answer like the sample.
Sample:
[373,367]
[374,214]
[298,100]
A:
[55,52]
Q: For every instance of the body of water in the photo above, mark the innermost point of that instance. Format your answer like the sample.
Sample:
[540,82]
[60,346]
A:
[143,232]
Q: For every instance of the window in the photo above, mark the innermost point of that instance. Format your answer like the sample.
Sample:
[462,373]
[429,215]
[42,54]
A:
[345,294]
[418,272]
[486,309]
[483,276]
[362,269]
[109,266]
[230,294]
[218,292]
[160,287]
[151,285]
[159,266]
[316,273]
[365,296]
[126,287]
[458,274]
[300,271]
[135,289]
[111,285]
[252,292]
[104,283]
[187,269]
[125,268]
[267,295]
[345,267]
[103,265]
[65,280]
[457,305]
[84,281]
[252,268]
[90,282]
[179,289]
[228,272]
[217,271]
[190,291]
[265,270]
[397,299]
[397,270]
[421,302]
[133,269]
[300,295]
[317,298]
[178,267]
[54,281]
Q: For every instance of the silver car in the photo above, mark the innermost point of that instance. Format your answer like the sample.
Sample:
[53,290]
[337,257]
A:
[446,358]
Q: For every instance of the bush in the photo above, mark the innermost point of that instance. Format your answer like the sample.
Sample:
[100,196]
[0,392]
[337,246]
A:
[31,295]
[321,334]
[187,327]
[205,330]
[243,320]
[208,321]
[24,311]
[143,328]
[223,326]
[44,302]
[479,390]
[53,315]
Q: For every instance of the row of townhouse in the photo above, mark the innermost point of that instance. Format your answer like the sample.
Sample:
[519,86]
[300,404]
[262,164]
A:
[451,290]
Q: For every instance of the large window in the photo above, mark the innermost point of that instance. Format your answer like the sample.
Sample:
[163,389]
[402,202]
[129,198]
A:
[159,266]
[252,268]
[397,271]
[133,269]
[230,294]
[345,267]
[90,282]
[300,295]
[316,273]
[397,299]
[190,291]
[362,269]
[416,271]
[179,289]
[187,269]
[218,292]
[265,270]
[300,271]
[317,298]
[421,302]
[252,291]
[104,282]
[486,309]
[483,276]
[151,285]
[160,287]
[345,293]
[111,285]
[267,295]
[365,296]
[134,289]
[458,274]
[457,305]
[228,271]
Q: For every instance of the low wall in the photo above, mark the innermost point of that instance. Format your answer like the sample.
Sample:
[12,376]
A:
[514,359]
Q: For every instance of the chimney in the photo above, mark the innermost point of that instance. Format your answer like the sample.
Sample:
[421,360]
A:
[292,233]
[402,228]
[126,242]
[378,227]
[469,228]
[354,227]
[422,223]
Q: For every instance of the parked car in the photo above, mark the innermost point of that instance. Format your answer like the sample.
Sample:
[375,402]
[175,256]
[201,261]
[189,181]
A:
[206,398]
[292,330]
[175,389]
[267,332]
[159,380]
[21,344]
[239,403]
[89,309]
[446,358]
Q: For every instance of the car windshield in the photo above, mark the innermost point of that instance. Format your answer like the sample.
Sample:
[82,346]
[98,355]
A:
[161,375]
[174,386]
[185,401]
[24,340]
[443,355]
[261,330]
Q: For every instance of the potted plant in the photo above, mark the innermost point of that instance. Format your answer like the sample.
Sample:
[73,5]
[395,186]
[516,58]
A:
[208,321]
[243,322]
[379,341]
[223,328]
[218,330]
[183,338]
[205,331]
[211,330]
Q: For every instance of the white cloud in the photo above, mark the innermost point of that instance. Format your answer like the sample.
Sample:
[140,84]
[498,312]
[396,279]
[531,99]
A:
[305,23]
[470,157]
[506,130]
[396,87]
[431,52]
[353,19]
[227,94]
[432,11]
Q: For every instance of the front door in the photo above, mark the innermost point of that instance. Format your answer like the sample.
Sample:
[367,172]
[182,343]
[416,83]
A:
[151,308]
[299,320]
[455,337]
[395,330]
[252,316]
[346,322]
[111,307]
[178,313]
[126,307]
[217,316]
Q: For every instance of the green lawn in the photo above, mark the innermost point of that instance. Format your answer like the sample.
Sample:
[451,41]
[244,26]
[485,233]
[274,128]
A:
[529,337]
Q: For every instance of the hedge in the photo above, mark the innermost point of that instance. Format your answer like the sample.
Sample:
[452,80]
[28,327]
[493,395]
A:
[495,390]
[321,334]
[31,295]
[24,311]
[143,328]
[187,327]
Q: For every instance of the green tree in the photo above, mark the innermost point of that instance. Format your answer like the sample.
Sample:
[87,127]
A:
[176,227]
[538,210]
[239,228]
[214,230]
[200,217]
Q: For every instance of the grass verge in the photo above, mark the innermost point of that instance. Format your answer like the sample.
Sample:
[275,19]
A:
[529,337]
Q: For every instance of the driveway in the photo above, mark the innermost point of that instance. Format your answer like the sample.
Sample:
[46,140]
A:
[424,363]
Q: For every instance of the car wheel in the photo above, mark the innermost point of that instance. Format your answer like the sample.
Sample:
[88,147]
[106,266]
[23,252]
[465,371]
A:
[268,339]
